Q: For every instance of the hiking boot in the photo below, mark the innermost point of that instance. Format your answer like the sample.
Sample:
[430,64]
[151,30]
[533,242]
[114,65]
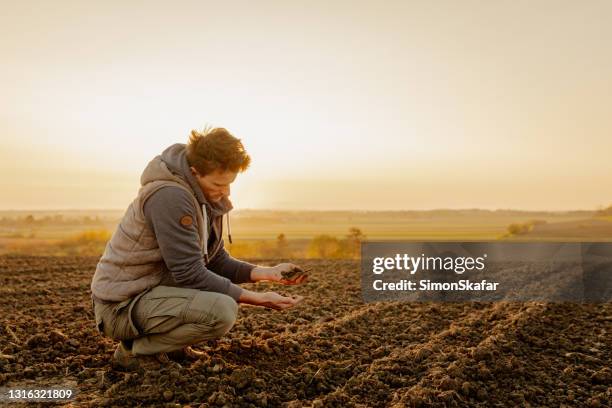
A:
[124,358]
[187,353]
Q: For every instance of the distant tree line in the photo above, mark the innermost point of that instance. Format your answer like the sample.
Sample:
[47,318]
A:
[326,246]
[522,228]
[55,220]
[320,246]
[604,211]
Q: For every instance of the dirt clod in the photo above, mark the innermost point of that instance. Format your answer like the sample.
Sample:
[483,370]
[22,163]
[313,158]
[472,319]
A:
[168,395]
[57,336]
[36,341]
[293,274]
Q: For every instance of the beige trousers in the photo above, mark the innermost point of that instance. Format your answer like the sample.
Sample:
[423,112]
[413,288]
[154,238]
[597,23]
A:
[167,318]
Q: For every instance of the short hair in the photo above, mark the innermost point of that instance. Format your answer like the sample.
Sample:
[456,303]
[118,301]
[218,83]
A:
[215,149]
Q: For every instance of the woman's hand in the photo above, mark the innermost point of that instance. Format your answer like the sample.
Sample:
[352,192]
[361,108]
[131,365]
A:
[284,273]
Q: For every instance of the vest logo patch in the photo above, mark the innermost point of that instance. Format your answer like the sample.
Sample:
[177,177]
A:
[186,220]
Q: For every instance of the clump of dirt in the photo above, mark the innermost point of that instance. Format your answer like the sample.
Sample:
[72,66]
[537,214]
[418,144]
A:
[293,273]
[331,350]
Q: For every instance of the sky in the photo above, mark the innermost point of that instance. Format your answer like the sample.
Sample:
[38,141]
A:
[342,105]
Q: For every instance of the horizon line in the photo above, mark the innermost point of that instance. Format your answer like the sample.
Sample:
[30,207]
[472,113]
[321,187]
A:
[322,210]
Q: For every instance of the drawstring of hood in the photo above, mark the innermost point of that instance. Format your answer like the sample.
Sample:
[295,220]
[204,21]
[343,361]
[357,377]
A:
[205,237]
[206,233]
[229,229]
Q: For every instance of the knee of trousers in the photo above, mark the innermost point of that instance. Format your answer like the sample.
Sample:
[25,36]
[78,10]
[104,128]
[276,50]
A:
[222,316]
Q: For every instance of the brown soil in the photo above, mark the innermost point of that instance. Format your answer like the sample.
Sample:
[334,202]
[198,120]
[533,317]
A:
[331,350]
[293,274]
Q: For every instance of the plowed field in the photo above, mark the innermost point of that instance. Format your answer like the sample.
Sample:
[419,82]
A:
[332,350]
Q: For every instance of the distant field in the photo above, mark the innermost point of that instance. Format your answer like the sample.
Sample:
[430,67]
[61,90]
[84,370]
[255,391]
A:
[595,229]
[256,231]
[411,225]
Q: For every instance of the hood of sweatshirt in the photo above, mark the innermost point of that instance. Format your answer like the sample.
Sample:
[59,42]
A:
[173,163]
[175,159]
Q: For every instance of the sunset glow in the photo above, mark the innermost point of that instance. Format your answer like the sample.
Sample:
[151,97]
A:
[344,105]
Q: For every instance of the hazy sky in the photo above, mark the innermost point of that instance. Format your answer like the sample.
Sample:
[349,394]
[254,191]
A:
[342,104]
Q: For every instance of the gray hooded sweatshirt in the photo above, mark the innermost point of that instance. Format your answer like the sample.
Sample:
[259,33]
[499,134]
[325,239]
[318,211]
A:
[169,235]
